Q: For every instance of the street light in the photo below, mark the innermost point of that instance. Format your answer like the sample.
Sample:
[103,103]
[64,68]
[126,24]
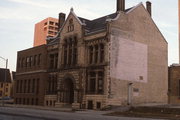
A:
[5,79]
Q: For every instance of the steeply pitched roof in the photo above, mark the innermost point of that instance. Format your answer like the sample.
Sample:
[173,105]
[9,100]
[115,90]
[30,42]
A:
[99,23]
[4,72]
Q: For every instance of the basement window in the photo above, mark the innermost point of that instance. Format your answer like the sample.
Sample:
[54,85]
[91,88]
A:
[98,105]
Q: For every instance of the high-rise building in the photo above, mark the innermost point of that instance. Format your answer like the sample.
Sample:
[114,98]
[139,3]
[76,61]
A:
[45,28]
[179,26]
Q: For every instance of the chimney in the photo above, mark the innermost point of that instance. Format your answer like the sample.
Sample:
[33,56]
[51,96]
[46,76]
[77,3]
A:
[120,5]
[148,7]
[62,18]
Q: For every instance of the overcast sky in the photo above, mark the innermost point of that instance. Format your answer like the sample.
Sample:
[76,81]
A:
[17,19]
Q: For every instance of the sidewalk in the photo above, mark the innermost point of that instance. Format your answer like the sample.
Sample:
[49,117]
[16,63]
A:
[38,107]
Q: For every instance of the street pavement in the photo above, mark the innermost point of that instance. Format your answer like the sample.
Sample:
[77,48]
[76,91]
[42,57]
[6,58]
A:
[12,113]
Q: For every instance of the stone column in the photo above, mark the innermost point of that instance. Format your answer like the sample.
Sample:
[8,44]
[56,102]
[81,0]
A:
[75,96]
[96,82]
[26,86]
[88,83]
[35,86]
[59,97]
[30,86]
[62,56]
[54,59]
[50,84]
[22,86]
[99,53]
[63,96]
[67,54]
[75,105]
[72,58]
[94,55]
[88,54]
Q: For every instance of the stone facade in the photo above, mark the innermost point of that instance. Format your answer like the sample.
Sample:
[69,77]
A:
[92,79]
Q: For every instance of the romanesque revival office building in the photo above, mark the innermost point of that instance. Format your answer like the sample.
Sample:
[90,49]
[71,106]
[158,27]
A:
[111,60]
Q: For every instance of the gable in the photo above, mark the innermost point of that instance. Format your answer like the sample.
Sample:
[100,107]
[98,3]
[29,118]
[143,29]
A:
[71,26]
[136,46]
[142,19]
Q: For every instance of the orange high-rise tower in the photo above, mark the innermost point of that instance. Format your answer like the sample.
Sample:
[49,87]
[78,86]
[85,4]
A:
[179,27]
[46,28]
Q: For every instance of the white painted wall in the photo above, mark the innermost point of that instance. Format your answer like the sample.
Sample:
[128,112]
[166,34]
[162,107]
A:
[128,59]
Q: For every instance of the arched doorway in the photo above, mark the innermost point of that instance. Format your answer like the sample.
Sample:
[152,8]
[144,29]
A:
[68,91]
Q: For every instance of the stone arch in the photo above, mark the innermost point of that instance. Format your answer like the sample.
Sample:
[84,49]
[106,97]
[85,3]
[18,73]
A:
[69,76]
[68,85]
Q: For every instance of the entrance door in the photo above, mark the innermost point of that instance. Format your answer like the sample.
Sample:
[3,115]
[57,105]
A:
[69,91]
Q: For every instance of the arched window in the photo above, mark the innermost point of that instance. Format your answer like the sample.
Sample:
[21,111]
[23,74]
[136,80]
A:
[70,52]
[70,26]
[101,53]
[90,54]
[75,51]
[65,51]
[100,82]
[96,54]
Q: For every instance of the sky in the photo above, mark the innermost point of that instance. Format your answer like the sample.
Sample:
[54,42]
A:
[18,17]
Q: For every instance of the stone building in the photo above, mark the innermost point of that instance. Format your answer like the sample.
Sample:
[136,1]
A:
[117,59]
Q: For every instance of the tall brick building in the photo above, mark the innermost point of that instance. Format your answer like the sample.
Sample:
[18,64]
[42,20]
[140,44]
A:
[31,76]
[36,76]
[111,60]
